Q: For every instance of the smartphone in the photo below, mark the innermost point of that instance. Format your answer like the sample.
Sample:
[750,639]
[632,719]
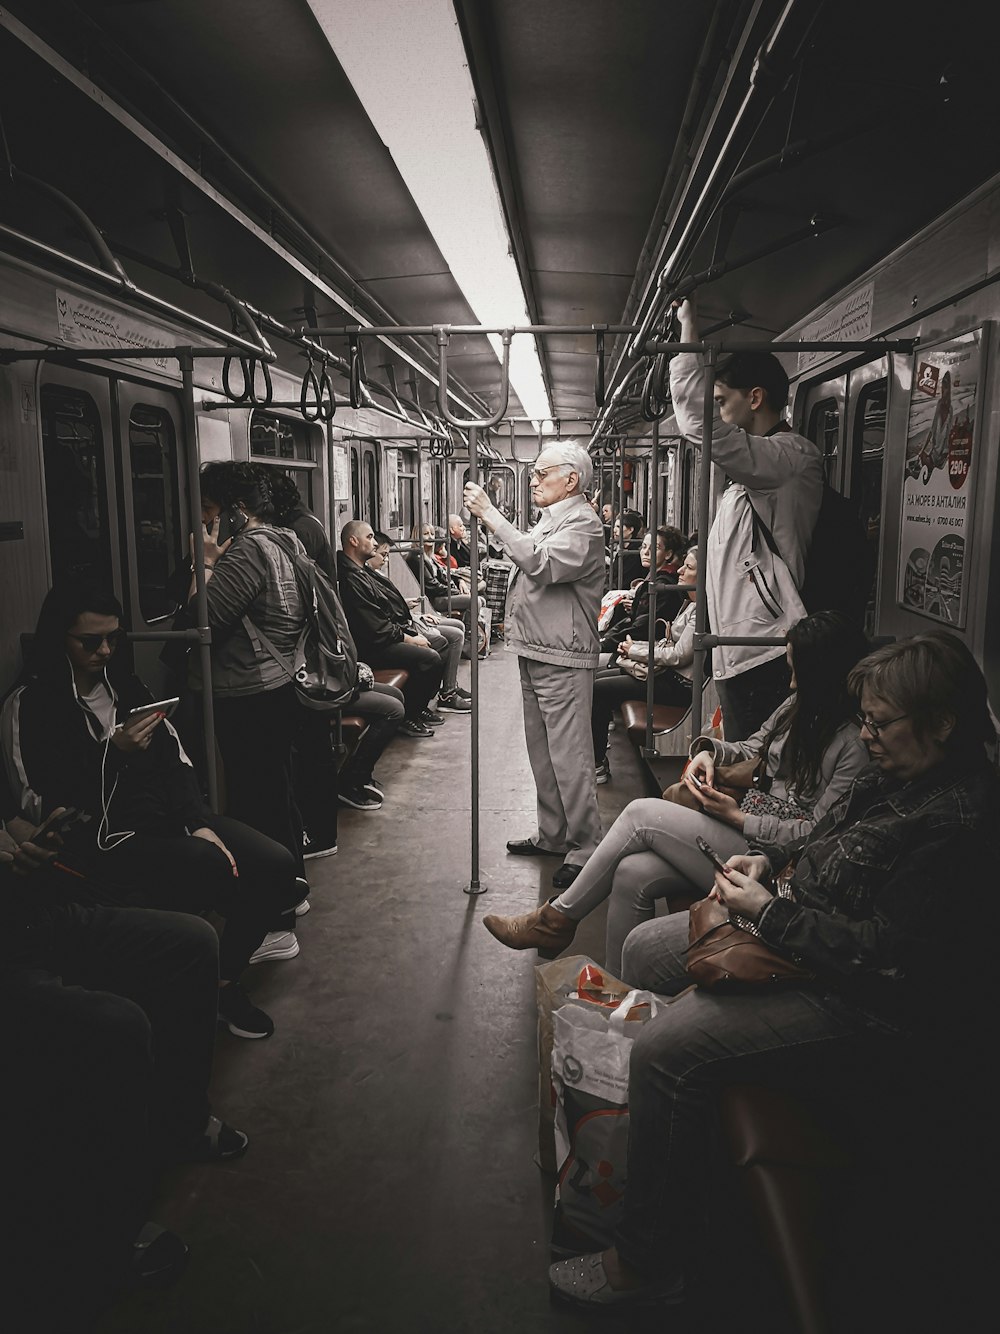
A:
[164,706]
[231,522]
[698,782]
[712,856]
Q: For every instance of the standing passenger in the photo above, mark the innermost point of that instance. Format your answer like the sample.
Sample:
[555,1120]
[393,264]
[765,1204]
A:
[551,624]
[773,474]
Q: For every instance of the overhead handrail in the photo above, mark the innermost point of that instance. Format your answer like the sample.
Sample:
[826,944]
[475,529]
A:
[356,374]
[327,400]
[599,384]
[310,385]
[478,423]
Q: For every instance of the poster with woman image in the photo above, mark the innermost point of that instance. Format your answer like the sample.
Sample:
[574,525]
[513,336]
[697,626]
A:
[939,478]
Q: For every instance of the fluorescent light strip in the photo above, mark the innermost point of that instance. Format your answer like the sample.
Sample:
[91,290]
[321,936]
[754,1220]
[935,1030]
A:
[408,67]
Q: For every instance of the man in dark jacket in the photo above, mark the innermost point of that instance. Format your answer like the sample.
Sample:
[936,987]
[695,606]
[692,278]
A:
[383,629]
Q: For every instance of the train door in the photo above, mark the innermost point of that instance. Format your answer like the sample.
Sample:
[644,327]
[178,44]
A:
[154,517]
[823,423]
[81,491]
[867,404]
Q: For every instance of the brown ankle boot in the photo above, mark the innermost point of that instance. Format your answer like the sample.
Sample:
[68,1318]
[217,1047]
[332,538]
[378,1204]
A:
[546,929]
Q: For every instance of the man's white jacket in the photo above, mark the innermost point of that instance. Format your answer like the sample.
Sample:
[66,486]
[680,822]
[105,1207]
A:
[555,597]
[751,591]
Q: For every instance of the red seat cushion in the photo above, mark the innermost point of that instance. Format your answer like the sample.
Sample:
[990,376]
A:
[351,727]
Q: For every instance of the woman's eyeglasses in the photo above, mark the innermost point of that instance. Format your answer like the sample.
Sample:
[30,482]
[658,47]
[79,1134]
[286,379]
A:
[876,729]
[91,643]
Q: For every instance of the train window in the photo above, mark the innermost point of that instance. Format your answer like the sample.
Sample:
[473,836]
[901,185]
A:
[406,490]
[75,484]
[501,483]
[371,488]
[355,483]
[824,430]
[274,438]
[867,458]
[155,506]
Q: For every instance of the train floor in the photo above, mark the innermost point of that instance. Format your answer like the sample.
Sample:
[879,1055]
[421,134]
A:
[390,1183]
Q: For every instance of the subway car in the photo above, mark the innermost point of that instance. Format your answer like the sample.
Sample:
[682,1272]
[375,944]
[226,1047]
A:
[386,249]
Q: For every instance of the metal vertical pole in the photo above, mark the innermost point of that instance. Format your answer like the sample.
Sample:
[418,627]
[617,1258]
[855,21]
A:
[621,512]
[654,520]
[419,507]
[474,887]
[704,493]
[201,596]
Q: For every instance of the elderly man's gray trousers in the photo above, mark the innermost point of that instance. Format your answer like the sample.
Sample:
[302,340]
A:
[557,703]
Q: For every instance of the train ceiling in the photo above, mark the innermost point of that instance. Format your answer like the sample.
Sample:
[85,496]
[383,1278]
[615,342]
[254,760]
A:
[614,127]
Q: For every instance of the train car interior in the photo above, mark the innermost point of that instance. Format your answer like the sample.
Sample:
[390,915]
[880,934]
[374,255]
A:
[387,251]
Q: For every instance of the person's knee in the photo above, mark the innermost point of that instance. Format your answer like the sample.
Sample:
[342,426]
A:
[640,954]
[113,1037]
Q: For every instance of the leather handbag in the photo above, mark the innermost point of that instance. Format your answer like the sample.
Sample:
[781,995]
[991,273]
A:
[735,780]
[726,953]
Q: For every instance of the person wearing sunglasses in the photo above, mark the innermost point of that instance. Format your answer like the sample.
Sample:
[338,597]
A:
[551,624]
[887,895]
[70,738]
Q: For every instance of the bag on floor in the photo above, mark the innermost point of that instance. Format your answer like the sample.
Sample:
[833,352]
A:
[555,982]
[591,1046]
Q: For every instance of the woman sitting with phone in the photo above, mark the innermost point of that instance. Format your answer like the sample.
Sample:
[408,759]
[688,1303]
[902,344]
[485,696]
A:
[883,893]
[812,752]
[81,731]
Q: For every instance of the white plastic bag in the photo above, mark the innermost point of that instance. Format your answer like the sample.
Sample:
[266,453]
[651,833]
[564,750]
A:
[591,1046]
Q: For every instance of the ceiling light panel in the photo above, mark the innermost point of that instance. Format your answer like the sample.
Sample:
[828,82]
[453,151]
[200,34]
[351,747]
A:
[408,67]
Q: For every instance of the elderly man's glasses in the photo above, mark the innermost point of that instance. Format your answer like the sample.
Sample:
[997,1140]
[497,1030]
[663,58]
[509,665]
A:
[91,643]
[540,474]
[876,729]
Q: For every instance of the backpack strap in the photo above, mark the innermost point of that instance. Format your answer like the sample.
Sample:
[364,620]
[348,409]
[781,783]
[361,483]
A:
[260,642]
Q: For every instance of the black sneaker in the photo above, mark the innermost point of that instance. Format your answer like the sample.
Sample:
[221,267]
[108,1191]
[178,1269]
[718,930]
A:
[602,772]
[465,694]
[360,800]
[318,848]
[454,703]
[374,787]
[431,718]
[413,727]
[241,1016]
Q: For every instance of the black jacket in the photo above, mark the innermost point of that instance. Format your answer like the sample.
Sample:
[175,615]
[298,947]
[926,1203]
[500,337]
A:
[669,600]
[377,612]
[55,757]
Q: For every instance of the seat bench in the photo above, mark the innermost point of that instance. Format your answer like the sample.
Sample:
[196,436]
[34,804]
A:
[665,718]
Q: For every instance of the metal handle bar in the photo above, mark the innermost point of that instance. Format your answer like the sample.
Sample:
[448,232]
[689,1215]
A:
[599,385]
[309,382]
[443,335]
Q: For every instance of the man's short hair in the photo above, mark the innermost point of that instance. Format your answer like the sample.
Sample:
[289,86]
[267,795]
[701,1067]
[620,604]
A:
[573,457]
[633,521]
[672,539]
[351,529]
[755,370]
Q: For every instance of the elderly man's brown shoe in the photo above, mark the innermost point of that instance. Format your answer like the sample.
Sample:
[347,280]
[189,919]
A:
[546,929]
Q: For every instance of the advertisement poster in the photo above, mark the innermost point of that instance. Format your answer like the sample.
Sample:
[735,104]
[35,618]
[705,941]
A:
[939,478]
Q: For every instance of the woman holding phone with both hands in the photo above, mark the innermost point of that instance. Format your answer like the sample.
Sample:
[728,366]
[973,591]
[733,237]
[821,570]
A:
[881,891]
[78,732]
[813,752]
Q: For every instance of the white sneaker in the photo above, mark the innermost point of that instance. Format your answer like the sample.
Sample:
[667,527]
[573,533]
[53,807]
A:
[276,945]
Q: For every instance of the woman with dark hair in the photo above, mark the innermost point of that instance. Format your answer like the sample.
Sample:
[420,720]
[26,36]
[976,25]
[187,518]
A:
[811,752]
[625,678]
[253,591]
[291,511]
[891,979]
[72,737]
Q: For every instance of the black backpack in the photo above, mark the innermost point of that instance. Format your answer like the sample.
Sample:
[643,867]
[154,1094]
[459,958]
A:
[840,565]
[325,667]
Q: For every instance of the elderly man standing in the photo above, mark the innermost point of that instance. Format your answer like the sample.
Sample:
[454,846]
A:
[551,624]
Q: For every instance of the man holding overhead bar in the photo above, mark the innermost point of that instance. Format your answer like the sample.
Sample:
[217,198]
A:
[551,624]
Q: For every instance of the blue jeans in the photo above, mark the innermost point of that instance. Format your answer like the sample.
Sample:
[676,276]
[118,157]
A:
[680,1062]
